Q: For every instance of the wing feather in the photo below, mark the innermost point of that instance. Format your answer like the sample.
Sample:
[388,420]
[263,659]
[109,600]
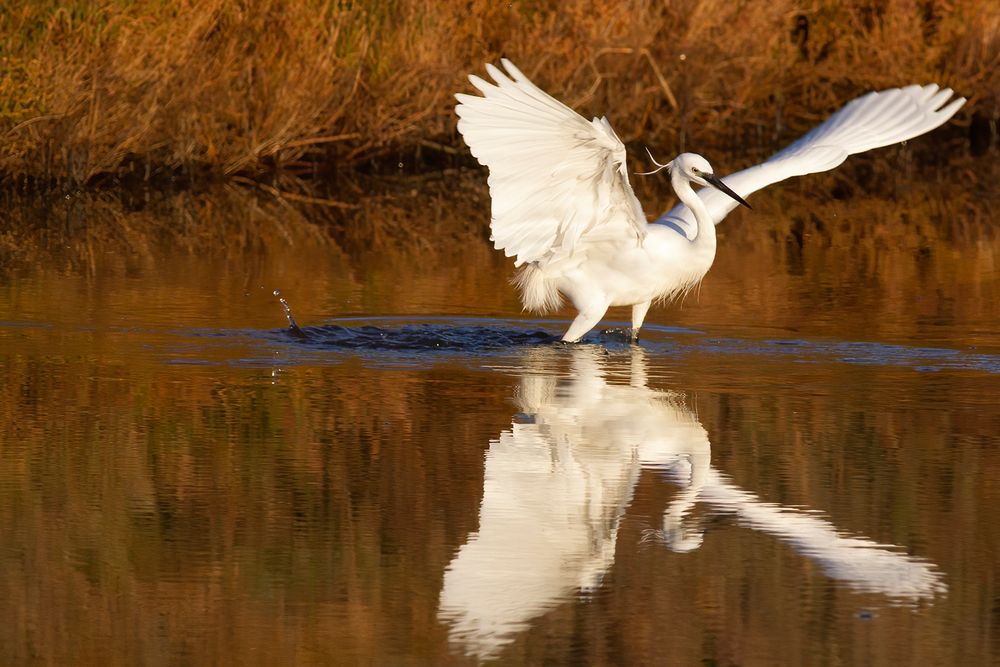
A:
[554,176]
[871,121]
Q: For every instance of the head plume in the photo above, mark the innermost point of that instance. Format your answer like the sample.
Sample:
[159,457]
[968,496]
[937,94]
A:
[659,167]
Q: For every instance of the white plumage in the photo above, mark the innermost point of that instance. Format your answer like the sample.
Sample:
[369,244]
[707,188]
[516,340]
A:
[871,121]
[563,207]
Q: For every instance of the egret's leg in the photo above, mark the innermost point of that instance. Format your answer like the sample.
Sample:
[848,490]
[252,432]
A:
[584,322]
[639,311]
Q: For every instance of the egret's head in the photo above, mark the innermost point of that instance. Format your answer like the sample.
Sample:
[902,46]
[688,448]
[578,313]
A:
[697,170]
[685,164]
[693,166]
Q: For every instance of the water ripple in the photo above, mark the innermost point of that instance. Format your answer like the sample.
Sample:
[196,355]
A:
[864,353]
[421,337]
[403,340]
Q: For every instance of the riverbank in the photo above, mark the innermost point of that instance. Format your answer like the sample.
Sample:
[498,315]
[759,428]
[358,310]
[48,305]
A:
[162,92]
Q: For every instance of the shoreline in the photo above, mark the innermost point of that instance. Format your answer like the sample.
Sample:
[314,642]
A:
[214,90]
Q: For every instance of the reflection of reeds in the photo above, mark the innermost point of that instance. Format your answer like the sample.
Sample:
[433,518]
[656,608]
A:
[77,229]
[137,90]
[801,259]
[428,214]
[446,217]
[212,513]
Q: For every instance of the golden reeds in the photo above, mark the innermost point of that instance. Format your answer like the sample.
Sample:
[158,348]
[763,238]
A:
[218,88]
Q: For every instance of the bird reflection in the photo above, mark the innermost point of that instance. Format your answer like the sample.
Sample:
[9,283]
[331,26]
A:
[558,482]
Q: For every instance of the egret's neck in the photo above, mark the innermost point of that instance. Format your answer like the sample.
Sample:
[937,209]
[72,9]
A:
[705,234]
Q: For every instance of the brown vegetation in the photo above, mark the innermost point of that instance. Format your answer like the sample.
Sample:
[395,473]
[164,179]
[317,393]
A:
[217,88]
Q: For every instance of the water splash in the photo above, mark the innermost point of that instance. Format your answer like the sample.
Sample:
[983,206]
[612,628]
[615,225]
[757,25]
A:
[293,327]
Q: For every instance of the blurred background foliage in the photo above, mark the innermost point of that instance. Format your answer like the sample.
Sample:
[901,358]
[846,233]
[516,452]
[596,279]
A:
[215,89]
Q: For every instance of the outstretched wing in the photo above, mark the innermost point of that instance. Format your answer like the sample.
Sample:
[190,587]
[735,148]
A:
[555,179]
[870,121]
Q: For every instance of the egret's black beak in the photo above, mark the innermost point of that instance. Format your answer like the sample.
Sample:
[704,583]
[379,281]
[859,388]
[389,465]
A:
[717,183]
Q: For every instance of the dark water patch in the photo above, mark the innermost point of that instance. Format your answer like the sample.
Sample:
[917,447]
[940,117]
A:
[469,336]
[922,359]
[423,337]
[385,342]
[864,353]
[11,324]
[403,341]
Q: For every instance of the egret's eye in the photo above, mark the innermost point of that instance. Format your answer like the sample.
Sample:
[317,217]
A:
[695,172]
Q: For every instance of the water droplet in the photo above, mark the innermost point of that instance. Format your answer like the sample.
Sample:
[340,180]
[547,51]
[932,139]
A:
[292,325]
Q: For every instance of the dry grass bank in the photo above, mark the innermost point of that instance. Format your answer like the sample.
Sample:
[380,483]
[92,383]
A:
[220,88]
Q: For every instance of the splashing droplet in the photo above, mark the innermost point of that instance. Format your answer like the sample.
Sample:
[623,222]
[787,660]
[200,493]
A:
[293,326]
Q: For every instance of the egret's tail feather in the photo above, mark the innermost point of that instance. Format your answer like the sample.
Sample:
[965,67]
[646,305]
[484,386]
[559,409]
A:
[538,294]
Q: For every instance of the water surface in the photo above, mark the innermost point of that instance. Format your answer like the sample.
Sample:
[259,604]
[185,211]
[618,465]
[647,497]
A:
[800,464]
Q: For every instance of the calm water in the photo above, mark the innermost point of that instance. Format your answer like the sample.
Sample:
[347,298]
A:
[800,464]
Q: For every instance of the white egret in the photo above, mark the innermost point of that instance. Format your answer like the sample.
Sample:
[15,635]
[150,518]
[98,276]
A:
[563,207]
